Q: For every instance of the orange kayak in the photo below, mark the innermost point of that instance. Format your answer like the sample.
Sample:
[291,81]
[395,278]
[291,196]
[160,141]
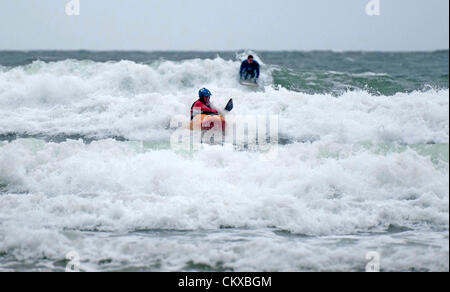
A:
[207,122]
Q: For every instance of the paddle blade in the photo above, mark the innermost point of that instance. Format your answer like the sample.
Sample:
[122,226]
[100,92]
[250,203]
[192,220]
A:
[229,106]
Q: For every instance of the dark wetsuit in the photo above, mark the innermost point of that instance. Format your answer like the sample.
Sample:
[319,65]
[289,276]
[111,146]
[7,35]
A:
[249,71]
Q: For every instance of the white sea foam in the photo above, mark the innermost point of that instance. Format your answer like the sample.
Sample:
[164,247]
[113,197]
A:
[301,191]
[238,250]
[122,187]
[137,102]
[358,177]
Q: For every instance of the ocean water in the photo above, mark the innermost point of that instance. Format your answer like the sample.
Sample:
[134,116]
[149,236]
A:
[86,164]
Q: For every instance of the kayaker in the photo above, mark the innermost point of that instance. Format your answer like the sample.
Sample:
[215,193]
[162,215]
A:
[249,69]
[203,105]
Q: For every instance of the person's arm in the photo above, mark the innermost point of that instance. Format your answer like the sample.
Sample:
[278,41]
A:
[205,109]
[257,70]
[200,108]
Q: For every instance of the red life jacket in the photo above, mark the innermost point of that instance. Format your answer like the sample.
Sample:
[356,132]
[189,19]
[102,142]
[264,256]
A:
[200,107]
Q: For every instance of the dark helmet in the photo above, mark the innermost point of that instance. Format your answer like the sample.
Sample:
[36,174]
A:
[204,93]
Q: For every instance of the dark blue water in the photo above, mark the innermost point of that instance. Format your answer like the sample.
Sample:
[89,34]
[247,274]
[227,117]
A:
[310,72]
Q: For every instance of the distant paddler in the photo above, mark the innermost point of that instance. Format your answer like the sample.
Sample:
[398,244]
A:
[249,71]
